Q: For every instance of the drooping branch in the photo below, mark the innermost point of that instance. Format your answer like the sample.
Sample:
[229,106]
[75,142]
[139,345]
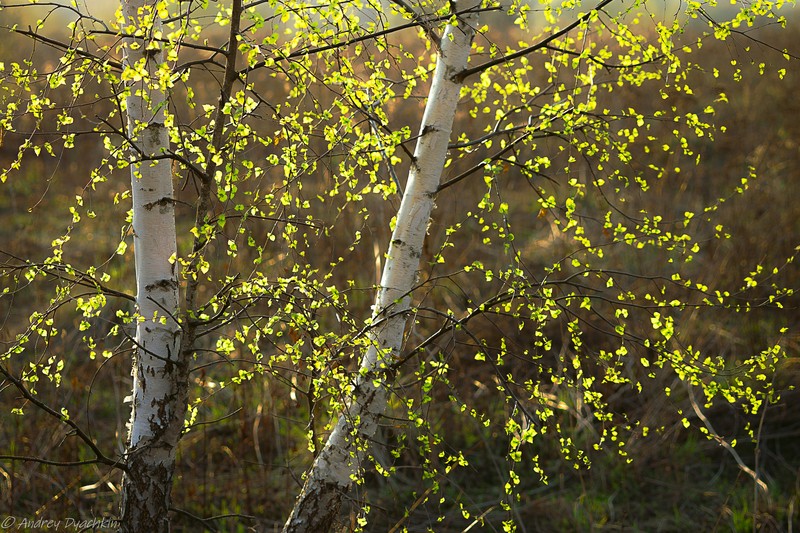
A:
[100,457]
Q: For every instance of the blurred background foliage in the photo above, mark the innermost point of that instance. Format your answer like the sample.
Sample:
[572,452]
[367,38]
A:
[248,443]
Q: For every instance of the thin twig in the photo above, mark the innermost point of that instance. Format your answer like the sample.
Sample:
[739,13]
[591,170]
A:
[722,442]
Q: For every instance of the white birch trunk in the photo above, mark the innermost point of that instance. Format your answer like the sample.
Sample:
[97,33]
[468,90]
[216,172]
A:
[340,460]
[159,374]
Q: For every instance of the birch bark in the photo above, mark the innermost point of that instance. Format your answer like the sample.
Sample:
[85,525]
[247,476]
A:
[340,460]
[159,374]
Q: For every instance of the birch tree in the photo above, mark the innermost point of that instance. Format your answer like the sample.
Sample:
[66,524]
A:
[340,461]
[160,367]
[165,336]
[531,290]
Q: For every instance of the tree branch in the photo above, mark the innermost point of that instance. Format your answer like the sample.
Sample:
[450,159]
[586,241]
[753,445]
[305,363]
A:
[64,46]
[461,76]
[100,457]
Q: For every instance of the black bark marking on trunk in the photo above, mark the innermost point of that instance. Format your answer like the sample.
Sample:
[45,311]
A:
[453,76]
[148,483]
[144,480]
[429,128]
[163,284]
[316,509]
[154,126]
[415,165]
[162,203]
